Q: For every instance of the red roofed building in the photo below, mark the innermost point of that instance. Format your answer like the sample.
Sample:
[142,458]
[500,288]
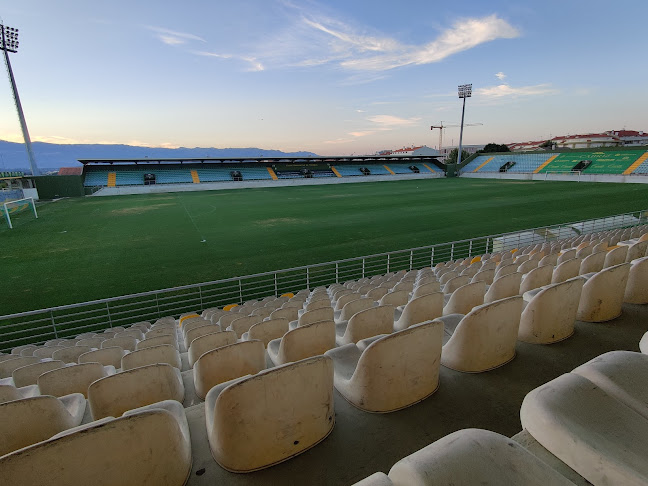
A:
[70,171]
[590,140]
[630,137]
[422,150]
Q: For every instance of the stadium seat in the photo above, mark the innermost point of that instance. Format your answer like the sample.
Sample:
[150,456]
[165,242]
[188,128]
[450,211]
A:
[527,266]
[593,433]
[536,278]
[71,354]
[72,379]
[17,351]
[419,309]
[113,395]
[163,353]
[289,313]
[266,331]
[636,291]
[566,270]
[603,293]
[243,324]
[484,338]
[593,263]
[8,366]
[390,372]
[9,393]
[492,459]
[345,299]
[45,352]
[395,298]
[485,276]
[106,356]
[199,331]
[505,269]
[157,341]
[637,250]
[615,256]
[303,342]
[551,259]
[352,308]
[202,344]
[287,410]
[308,317]
[92,342]
[226,363]
[158,452]
[32,420]
[550,313]
[364,324]
[136,333]
[128,343]
[566,255]
[28,375]
[502,287]
[462,300]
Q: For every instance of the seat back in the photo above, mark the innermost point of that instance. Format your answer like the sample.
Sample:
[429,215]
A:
[31,420]
[28,375]
[400,369]
[456,282]
[345,299]
[551,259]
[420,309]
[536,278]
[527,266]
[615,256]
[370,322]
[106,356]
[637,287]
[163,353]
[395,298]
[426,288]
[266,331]
[45,351]
[355,306]
[71,379]
[450,274]
[226,363]
[566,255]
[638,250]
[200,331]
[593,263]
[485,338]
[503,287]
[153,333]
[128,343]
[263,312]
[93,342]
[485,276]
[505,268]
[136,333]
[194,323]
[603,293]
[403,285]
[306,341]
[289,313]
[316,315]
[8,366]
[287,409]
[465,298]
[113,395]
[566,270]
[71,354]
[550,315]
[157,341]
[243,324]
[202,344]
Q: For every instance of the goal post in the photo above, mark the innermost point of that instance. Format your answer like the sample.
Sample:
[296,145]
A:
[17,206]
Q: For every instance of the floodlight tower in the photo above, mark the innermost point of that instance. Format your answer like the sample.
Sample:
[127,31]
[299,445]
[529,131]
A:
[465,91]
[9,43]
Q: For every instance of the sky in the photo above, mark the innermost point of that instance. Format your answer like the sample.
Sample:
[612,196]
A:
[335,77]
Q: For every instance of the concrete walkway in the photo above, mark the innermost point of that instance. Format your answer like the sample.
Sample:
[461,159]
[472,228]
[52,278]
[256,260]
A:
[363,443]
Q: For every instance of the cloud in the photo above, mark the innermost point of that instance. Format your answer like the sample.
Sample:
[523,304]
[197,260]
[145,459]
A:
[360,111]
[393,121]
[254,64]
[500,76]
[339,140]
[507,91]
[173,38]
[362,133]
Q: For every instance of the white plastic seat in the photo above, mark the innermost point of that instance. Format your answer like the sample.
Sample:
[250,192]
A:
[45,351]
[596,435]
[393,371]
[290,313]
[462,300]
[17,351]
[602,296]
[226,363]
[266,331]
[550,314]
[527,266]
[593,263]
[395,298]
[106,356]
[536,278]
[9,393]
[504,269]
[502,287]
[28,375]
[637,250]
[566,270]
[456,282]
[615,256]
[474,457]
[287,410]
[92,342]
[158,453]
[485,276]
[153,333]
[377,293]
[566,255]
[636,291]
[14,362]
[345,299]
[157,341]
[243,324]
[199,331]
[419,309]
[426,288]
[163,353]
[136,333]
[364,324]
[128,343]
[353,307]
[31,420]
[484,338]
[303,342]
[202,344]
[72,379]
[71,354]
[113,395]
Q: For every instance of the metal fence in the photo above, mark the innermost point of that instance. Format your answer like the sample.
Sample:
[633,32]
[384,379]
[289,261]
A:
[69,320]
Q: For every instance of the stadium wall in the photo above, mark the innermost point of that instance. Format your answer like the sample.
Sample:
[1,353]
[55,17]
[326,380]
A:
[215,186]
[52,187]
[632,179]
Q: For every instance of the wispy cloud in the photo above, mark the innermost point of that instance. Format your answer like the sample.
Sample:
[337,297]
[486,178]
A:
[172,37]
[393,121]
[253,63]
[500,76]
[507,91]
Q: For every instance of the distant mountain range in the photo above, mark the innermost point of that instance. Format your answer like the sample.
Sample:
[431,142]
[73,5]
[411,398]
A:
[51,156]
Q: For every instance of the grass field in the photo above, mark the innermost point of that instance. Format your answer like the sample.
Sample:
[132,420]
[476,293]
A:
[83,249]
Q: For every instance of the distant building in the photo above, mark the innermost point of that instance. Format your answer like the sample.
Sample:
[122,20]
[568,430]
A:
[471,149]
[422,150]
[526,146]
[630,137]
[590,140]
[70,171]
[611,138]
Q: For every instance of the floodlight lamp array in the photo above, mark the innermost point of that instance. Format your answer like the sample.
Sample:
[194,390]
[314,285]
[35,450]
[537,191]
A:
[8,38]
[465,90]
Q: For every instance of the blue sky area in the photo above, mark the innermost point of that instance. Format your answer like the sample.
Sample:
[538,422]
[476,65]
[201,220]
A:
[334,77]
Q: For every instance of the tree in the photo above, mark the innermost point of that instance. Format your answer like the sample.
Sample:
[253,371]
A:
[547,145]
[452,156]
[494,147]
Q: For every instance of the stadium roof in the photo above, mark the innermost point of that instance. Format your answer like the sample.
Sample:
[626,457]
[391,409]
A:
[230,160]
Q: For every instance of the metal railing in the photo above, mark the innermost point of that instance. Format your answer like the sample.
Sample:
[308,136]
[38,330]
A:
[41,325]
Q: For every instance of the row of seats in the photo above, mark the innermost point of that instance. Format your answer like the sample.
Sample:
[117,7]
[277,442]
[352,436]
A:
[335,337]
[593,419]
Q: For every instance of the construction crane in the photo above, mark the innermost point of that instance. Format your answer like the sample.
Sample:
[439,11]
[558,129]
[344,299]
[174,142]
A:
[441,126]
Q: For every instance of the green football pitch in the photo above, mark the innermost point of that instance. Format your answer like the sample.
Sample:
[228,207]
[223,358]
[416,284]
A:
[96,247]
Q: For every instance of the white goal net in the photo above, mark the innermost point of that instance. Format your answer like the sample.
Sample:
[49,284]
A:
[10,208]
